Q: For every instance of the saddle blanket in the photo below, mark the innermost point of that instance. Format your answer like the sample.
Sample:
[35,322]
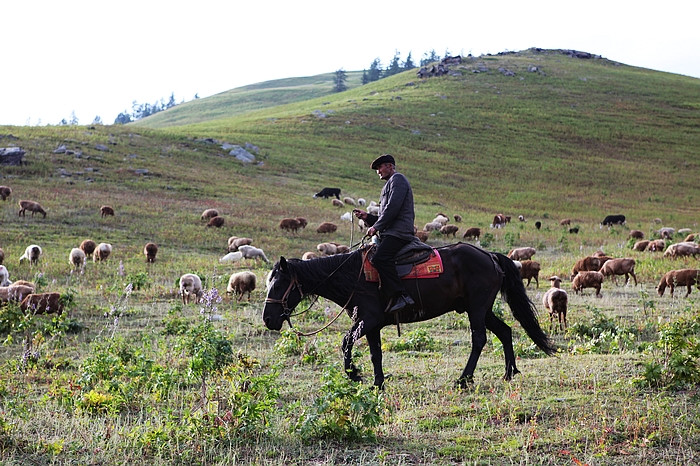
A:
[432,268]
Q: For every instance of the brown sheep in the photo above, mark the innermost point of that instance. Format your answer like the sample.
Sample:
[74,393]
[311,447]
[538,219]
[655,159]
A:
[302,221]
[641,245]
[216,222]
[472,233]
[521,254]
[5,192]
[290,224]
[458,218]
[566,221]
[33,207]
[623,266]
[42,303]
[449,230]
[326,227]
[636,234]
[590,279]
[235,242]
[101,252]
[240,283]
[529,270]
[327,249]
[349,201]
[309,255]
[15,292]
[588,264]
[656,245]
[106,210]
[682,277]
[422,235]
[690,238]
[88,246]
[337,203]
[555,300]
[682,249]
[150,250]
[209,213]
[499,221]
[2,256]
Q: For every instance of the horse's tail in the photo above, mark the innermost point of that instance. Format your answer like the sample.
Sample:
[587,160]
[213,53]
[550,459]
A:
[523,309]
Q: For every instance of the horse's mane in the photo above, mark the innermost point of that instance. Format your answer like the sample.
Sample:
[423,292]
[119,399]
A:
[340,270]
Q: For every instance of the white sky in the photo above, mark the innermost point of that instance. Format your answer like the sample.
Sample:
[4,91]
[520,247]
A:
[97,57]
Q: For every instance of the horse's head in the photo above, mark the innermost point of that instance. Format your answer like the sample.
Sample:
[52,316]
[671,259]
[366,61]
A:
[283,295]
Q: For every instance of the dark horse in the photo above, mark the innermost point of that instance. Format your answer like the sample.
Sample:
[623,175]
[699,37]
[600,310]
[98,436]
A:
[471,280]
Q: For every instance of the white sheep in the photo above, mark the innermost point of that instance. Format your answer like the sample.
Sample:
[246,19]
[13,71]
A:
[361,202]
[190,285]
[251,252]
[76,258]
[101,252]
[4,276]
[441,219]
[432,226]
[31,254]
[327,249]
[241,282]
[231,257]
[346,217]
[373,209]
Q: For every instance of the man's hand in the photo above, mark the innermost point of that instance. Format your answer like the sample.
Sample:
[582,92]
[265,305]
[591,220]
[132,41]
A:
[361,214]
[371,231]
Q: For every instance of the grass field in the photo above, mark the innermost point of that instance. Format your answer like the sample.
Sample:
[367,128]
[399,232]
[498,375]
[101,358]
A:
[131,375]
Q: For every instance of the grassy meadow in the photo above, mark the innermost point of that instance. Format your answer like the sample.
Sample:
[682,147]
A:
[128,374]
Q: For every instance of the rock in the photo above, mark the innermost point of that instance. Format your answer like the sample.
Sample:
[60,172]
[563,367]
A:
[11,155]
[242,155]
[101,147]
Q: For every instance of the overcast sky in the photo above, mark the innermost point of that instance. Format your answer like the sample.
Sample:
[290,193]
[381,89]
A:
[95,58]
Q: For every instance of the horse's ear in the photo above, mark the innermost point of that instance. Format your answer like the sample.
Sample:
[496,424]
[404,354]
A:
[283,264]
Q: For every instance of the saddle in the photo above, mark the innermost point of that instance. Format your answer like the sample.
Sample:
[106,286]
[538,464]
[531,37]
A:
[415,260]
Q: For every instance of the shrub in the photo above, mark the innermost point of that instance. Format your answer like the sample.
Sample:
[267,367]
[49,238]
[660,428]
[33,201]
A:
[416,340]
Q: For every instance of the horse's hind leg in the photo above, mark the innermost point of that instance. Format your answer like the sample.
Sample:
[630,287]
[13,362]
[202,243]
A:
[374,340]
[505,335]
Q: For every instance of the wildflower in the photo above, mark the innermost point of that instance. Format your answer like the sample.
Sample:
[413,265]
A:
[120,272]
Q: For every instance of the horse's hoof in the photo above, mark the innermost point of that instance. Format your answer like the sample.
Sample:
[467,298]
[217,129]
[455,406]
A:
[464,382]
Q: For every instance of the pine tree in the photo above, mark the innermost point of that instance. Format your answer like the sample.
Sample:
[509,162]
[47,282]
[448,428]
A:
[408,64]
[395,66]
[339,81]
[429,58]
[375,70]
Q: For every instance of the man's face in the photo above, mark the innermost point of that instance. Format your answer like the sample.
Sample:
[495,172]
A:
[385,171]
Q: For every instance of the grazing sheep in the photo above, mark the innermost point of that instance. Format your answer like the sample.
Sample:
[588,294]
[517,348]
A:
[209,213]
[231,257]
[76,258]
[4,276]
[432,226]
[240,283]
[31,254]
[636,234]
[656,245]
[341,248]
[346,217]
[361,202]
[290,224]
[88,246]
[42,303]
[326,227]
[458,218]
[521,254]
[349,201]
[327,249]
[623,266]
[337,203]
[101,252]
[373,209]
[538,224]
[2,256]
[555,300]
[309,255]
[5,192]
[15,292]
[640,245]
[666,232]
[190,286]
[682,249]
[422,235]
[150,250]
[565,222]
[33,207]
[302,221]
[235,242]
[449,230]
[216,222]
[499,221]
[688,239]
[529,270]
[684,231]
[588,279]
[441,219]
[521,218]
[106,210]
[682,277]
[251,252]
[588,264]
[472,233]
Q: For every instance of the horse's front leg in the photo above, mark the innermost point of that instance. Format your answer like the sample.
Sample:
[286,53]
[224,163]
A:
[374,339]
[348,343]
[504,333]
[478,343]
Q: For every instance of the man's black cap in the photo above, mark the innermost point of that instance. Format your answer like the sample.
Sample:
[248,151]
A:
[384,158]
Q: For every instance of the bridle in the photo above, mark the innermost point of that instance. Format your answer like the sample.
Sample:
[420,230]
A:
[286,311]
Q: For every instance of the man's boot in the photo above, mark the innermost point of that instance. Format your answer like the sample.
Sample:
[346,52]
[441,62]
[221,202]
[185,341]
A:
[401,303]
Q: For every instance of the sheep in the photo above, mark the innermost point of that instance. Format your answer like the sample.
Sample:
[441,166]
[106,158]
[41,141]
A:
[88,246]
[499,221]
[346,217]
[31,254]
[326,227]
[217,222]
[688,239]
[588,279]
[349,201]
[521,218]
[682,249]
[15,292]
[302,222]
[209,213]
[290,224]
[656,245]
[4,276]
[521,254]
[587,264]
[432,226]
[106,210]
[32,206]
[76,258]
[190,286]
[327,249]
[341,248]
[574,230]
[636,234]
[422,235]
[458,218]
[150,250]
[529,270]
[5,192]
[231,257]
[101,252]
[472,233]
[361,202]
[235,242]
[251,252]
[449,230]
[684,231]
[337,203]
[42,303]
[623,266]
[241,282]
[441,219]
[682,277]
[309,255]
[538,225]
[373,209]
[666,232]
[555,300]
[641,245]
[565,222]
